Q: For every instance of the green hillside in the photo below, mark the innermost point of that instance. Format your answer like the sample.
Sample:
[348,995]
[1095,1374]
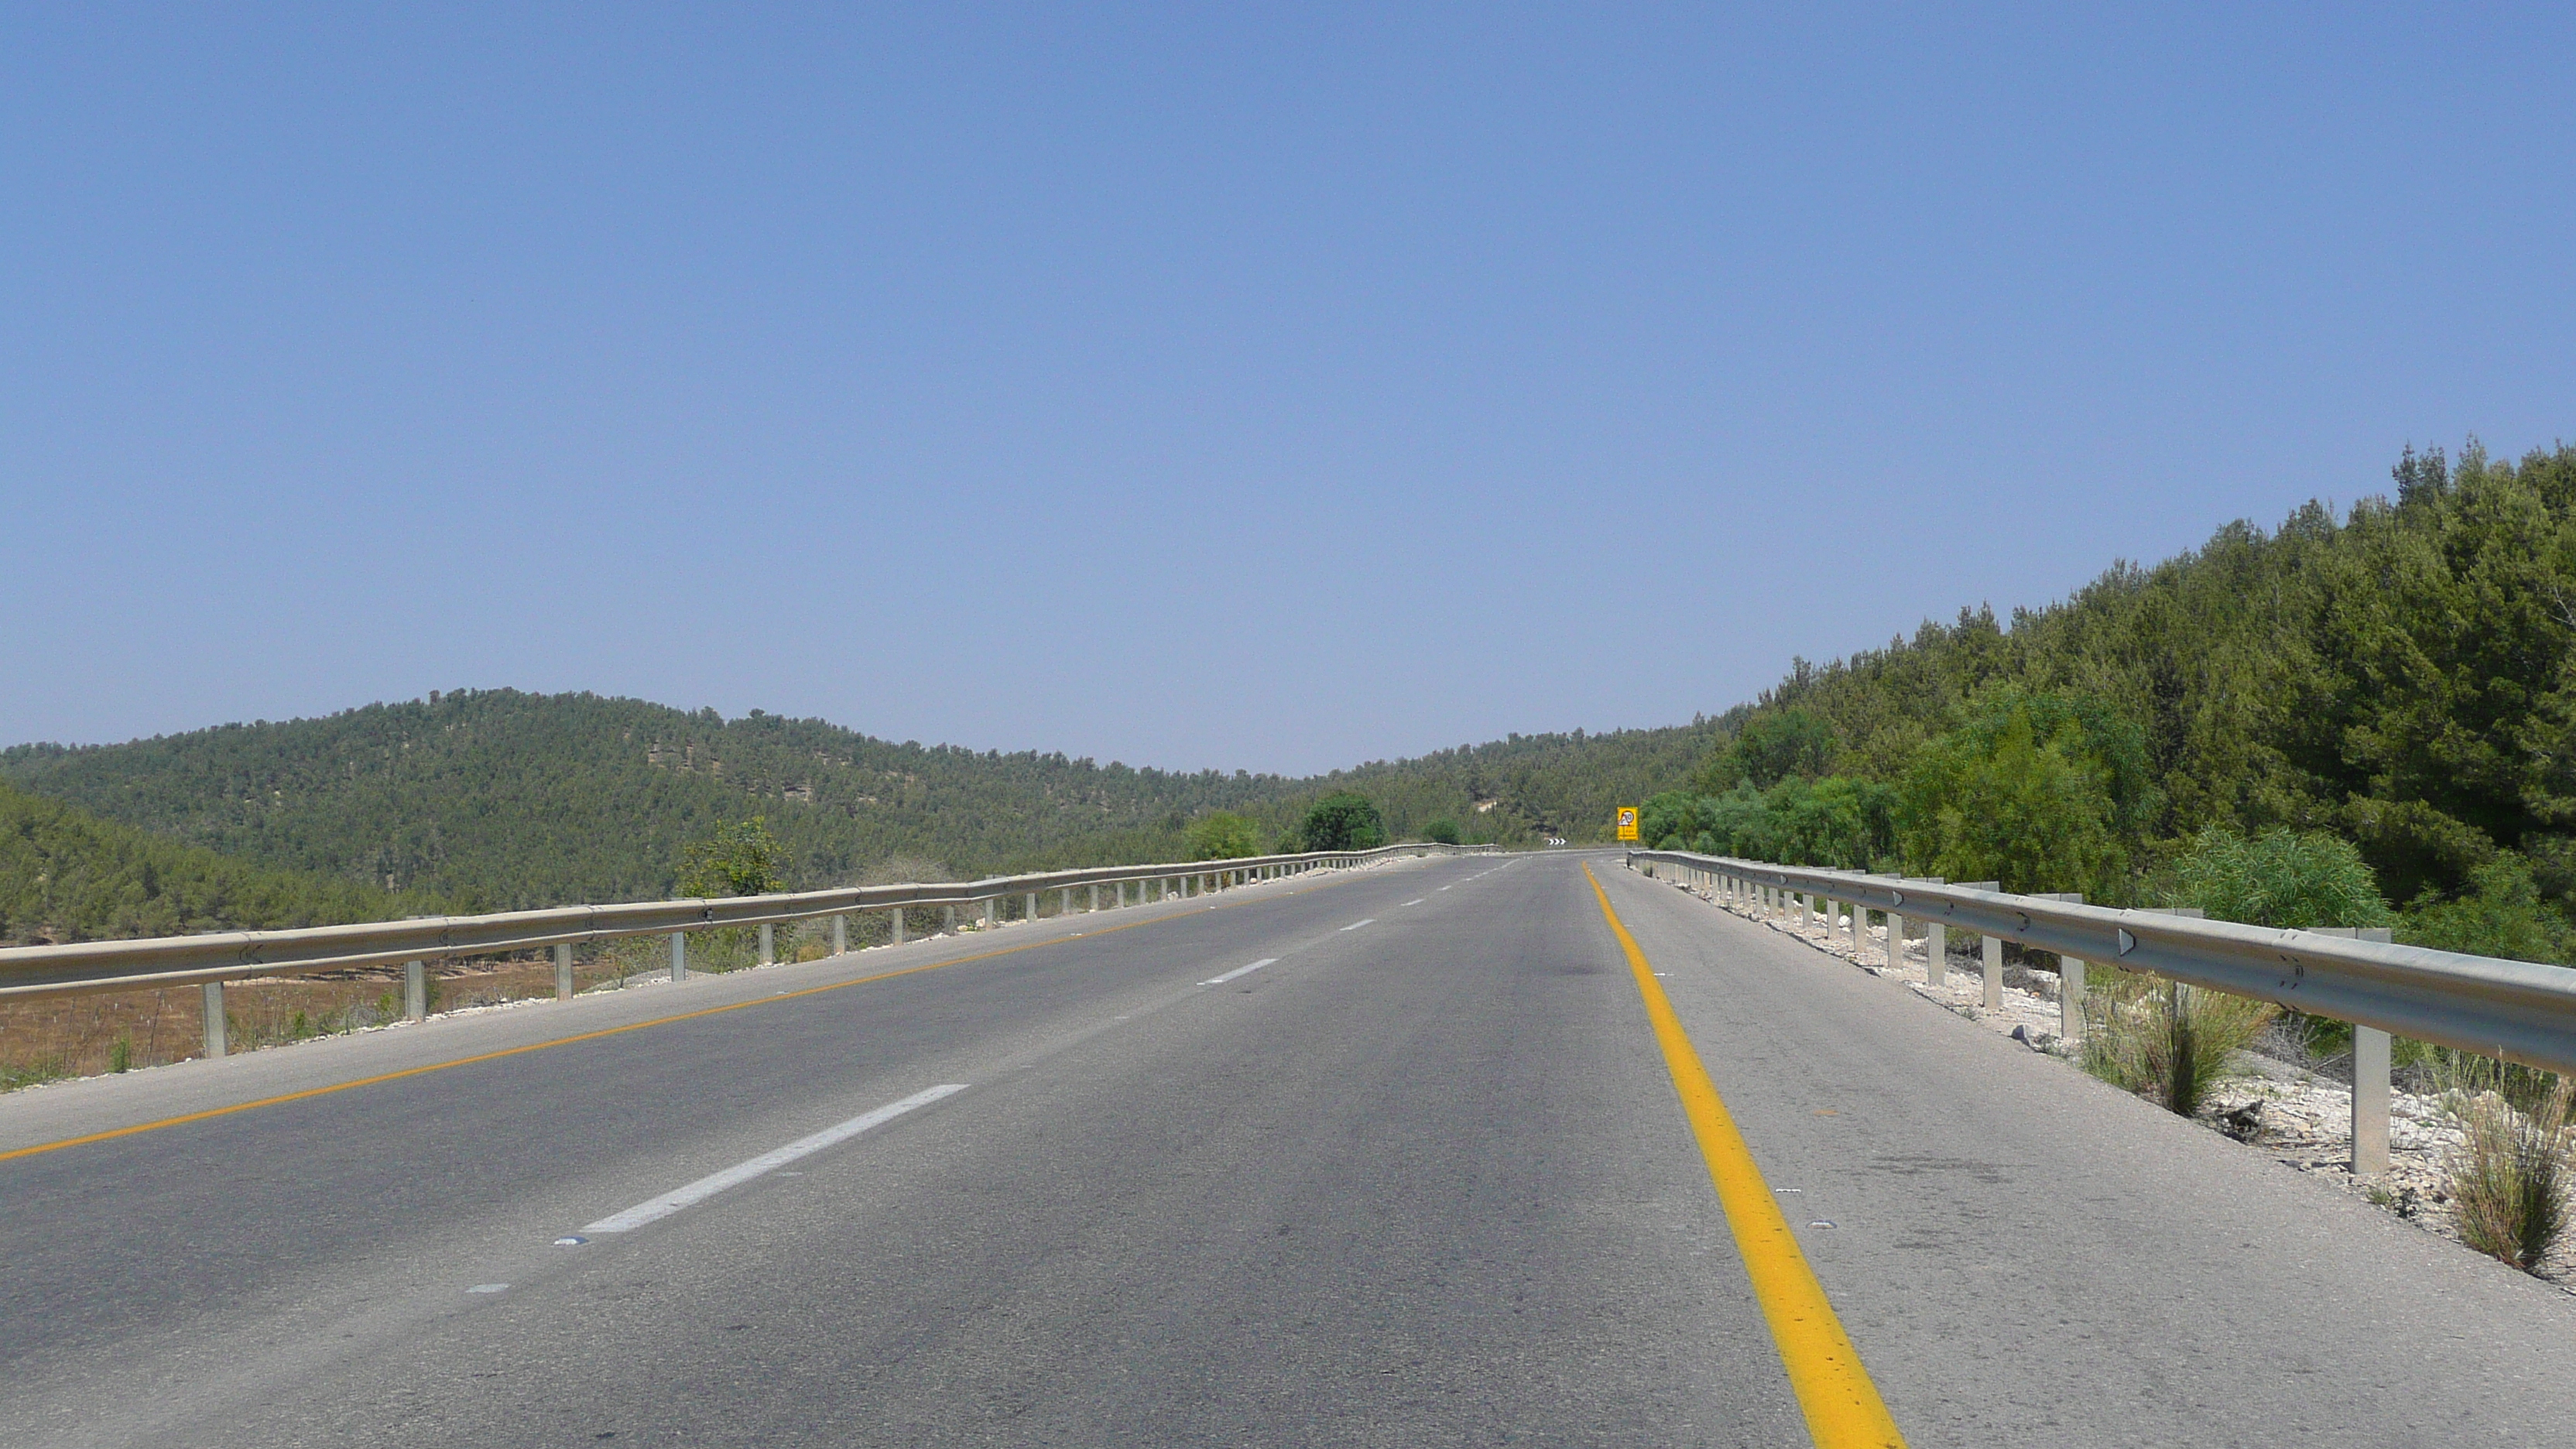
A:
[496,799]
[68,876]
[2402,677]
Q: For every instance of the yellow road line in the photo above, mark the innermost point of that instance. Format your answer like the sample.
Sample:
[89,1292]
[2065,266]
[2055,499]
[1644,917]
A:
[1834,1391]
[309,1092]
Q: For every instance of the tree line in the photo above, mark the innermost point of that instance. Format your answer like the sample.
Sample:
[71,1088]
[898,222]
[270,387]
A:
[2397,684]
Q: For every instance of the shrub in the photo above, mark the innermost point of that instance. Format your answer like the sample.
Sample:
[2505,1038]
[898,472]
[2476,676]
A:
[2019,798]
[2501,915]
[2295,880]
[1223,835]
[1443,830]
[741,859]
[1343,821]
[2508,1179]
[2167,1041]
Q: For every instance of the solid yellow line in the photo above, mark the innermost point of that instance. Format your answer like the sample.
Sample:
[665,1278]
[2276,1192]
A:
[1842,1406]
[283,1098]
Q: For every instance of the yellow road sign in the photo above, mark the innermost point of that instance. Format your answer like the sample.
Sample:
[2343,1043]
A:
[1627,822]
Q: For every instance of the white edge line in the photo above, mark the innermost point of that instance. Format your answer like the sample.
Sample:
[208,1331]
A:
[1241,971]
[1413,903]
[1355,925]
[655,1209]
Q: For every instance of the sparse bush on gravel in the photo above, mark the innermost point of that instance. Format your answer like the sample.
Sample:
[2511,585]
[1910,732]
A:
[2167,1041]
[2509,1177]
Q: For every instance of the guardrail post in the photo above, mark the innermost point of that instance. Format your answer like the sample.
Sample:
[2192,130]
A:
[1990,955]
[1936,943]
[992,912]
[2070,979]
[948,919]
[2369,1076]
[2369,1101]
[768,944]
[563,970]
[679,956]
[415,990]
[840,935]
[214,998]
[1895,941]
[894,919]
[1095,895]
[1033,908]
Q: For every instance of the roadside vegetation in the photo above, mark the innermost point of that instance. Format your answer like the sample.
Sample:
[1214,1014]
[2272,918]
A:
[2399,681]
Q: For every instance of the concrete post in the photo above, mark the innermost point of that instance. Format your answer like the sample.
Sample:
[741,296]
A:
[679,956]
[894,924]
[1990,954]
[415,990]
[840,935]
[563,971]
[992,912]
[948,919]
[214,999]
[768,944]
[1095,897]
[1033,907]
[1895,941]
[2070,999]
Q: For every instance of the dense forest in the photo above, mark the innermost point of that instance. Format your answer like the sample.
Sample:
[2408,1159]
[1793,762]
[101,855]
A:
[495,799]
[68,876]
[2401,678]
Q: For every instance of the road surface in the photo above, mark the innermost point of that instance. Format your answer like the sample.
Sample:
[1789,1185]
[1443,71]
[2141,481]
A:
[1379,1157]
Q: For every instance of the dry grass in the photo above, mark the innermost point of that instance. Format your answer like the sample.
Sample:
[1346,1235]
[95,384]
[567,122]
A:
[78,1036]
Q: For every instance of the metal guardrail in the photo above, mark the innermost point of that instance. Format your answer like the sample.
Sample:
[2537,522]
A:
[219,957]
[2519,1011]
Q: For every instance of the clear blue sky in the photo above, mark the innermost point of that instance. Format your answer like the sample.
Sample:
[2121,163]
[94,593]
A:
[1208,386]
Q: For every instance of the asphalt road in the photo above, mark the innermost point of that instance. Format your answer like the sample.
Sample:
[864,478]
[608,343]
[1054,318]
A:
[1422,1180]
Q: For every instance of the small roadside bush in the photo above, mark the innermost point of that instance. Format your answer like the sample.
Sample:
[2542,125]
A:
[1443,831]
[2508,1179]
[2166,1041]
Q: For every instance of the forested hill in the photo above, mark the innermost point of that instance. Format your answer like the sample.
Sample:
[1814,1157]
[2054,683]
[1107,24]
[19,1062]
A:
[68,876]
[2402,677]
[497,799]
